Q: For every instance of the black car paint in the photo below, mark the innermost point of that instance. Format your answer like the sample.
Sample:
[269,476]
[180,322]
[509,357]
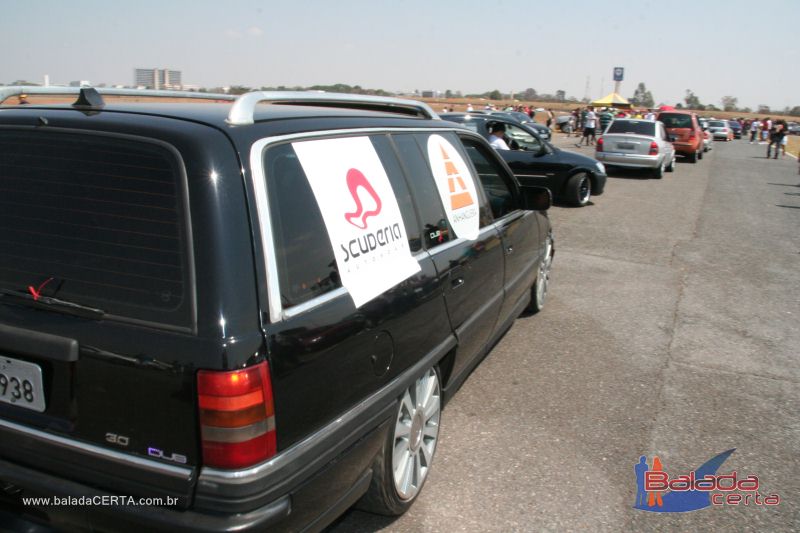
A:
[138,380]
[550,168]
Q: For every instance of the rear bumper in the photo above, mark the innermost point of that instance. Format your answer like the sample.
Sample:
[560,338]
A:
[314,504]
[687,148]
[628,160]
[303,488]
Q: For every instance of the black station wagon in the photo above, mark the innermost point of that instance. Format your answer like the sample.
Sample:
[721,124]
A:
[237,316]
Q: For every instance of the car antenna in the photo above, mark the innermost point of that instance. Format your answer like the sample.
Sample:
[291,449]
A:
[89,97]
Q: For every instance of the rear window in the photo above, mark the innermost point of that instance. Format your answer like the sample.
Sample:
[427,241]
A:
[717,124]
[637,127]
[98,220]
[676,120]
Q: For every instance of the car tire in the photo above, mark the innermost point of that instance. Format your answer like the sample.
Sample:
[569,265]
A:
[692,158]
[411,438]
[671,167]
[579,189]
[700,154]
[658,172]
[542,283]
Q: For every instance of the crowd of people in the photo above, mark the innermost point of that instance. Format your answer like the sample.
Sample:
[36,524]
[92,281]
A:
[766,131]
[584,123]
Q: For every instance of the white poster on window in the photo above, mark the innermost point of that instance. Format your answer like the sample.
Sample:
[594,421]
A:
[456,187]
[361,214]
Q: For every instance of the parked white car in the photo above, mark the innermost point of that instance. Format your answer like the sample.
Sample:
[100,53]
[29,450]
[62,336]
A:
[636,144]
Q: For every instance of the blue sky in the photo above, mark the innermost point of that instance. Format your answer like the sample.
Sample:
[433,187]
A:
[740,48]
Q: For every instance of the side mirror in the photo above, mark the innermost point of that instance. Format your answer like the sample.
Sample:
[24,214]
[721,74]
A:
[535,198]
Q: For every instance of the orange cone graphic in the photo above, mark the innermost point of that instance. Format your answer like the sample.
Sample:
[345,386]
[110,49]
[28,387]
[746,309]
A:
[459,195]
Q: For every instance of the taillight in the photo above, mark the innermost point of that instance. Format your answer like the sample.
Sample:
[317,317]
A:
[692,134]
[237,416]
[653,148]
[599,146]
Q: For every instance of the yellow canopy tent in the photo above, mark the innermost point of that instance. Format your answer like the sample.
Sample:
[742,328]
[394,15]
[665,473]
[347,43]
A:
[612,100]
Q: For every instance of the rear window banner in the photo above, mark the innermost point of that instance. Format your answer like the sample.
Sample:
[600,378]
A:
[456,186]
[361,214]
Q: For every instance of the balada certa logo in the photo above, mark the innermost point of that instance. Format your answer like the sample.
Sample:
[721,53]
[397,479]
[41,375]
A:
[657,492]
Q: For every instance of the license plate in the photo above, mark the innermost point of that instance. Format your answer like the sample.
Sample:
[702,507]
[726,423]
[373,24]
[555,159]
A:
[21,384]
[626,146]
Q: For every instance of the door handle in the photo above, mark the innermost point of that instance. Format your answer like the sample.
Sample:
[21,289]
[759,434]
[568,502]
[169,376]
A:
[457,282]
[509,250]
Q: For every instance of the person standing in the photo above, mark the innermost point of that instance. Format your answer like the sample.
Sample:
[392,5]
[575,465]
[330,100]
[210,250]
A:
[776,135]
[549,117]
[605,119]
[753,130]
[589,125]
[766,127]
[470,109]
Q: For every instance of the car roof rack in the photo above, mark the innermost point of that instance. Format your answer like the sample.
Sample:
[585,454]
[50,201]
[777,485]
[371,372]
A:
[243,109]
[16,90]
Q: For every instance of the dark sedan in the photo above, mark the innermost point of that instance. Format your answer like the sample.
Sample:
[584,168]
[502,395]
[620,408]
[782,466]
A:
[571,177]
[516,116]
[736,127]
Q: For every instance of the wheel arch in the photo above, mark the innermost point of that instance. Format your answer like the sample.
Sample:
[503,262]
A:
[573,172]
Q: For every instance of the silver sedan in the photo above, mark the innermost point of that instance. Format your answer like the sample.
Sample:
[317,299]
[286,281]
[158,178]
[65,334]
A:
[636,144]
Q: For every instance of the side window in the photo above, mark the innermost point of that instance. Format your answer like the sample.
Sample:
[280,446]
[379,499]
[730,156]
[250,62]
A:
[435,227]
[493,178]
[306,263]
[405,203]
[522,140]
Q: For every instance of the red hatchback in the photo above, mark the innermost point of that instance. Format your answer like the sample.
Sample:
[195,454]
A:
[685,131]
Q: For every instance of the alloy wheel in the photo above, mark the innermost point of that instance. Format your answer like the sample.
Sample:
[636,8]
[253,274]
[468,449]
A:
[543,279]
[416,434]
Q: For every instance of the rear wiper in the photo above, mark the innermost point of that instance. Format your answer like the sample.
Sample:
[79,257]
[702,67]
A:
[54,304]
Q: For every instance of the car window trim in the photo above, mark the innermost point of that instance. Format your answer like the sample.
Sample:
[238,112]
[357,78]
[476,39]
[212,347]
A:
[275,308]
[510,181]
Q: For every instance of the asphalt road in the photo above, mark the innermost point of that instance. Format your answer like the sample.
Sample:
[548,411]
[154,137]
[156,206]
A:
[671,329]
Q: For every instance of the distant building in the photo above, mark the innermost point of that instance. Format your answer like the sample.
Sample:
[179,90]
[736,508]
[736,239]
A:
[155,78]
[428,94]
[80,83]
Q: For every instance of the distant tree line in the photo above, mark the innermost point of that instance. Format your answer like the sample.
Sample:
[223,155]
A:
[335,88]
[528,94]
